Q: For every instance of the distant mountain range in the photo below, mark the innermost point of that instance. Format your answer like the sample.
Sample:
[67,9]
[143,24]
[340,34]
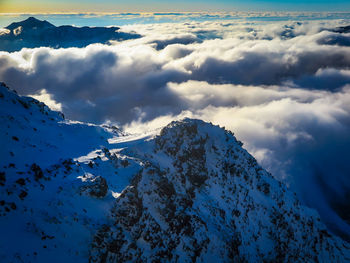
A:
[76,192]
[33,33]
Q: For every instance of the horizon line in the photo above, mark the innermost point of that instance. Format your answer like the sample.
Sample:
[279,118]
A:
[167,12]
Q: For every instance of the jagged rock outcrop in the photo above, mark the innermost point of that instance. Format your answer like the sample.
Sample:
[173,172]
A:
[200,197]
[94,186]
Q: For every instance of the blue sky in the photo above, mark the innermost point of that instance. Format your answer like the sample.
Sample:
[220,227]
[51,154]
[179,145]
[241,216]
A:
[166,5]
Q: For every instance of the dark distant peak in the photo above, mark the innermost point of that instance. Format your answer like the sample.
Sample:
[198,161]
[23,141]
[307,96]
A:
[32,32]
[342,29]
[30,23]
[32,19]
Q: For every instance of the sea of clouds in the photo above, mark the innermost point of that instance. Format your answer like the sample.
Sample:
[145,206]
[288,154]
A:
[283,88]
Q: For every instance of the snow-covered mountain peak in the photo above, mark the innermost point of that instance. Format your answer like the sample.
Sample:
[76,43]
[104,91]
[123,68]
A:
[10,98]
[31,132]
[200,197]
[75,192]
[194,132]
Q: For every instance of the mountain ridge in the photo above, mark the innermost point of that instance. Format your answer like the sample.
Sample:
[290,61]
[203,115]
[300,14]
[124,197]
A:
[190,193]
[32,33]
[30,23]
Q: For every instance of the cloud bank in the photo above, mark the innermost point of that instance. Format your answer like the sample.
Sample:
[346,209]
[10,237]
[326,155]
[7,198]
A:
[283,88]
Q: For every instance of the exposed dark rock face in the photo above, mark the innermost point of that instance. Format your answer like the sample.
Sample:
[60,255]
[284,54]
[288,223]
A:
[95,186]
[201,198]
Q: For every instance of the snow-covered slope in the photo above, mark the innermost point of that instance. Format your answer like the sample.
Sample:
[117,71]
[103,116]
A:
[75,192]
[31,33]
[46,212]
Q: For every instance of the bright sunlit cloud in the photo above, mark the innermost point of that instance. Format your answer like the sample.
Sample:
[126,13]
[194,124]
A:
[281,86]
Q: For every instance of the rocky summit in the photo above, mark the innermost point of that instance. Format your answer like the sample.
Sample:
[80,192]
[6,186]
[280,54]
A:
[78,192]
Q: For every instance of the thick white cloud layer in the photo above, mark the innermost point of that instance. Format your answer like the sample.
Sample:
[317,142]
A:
[282,87]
